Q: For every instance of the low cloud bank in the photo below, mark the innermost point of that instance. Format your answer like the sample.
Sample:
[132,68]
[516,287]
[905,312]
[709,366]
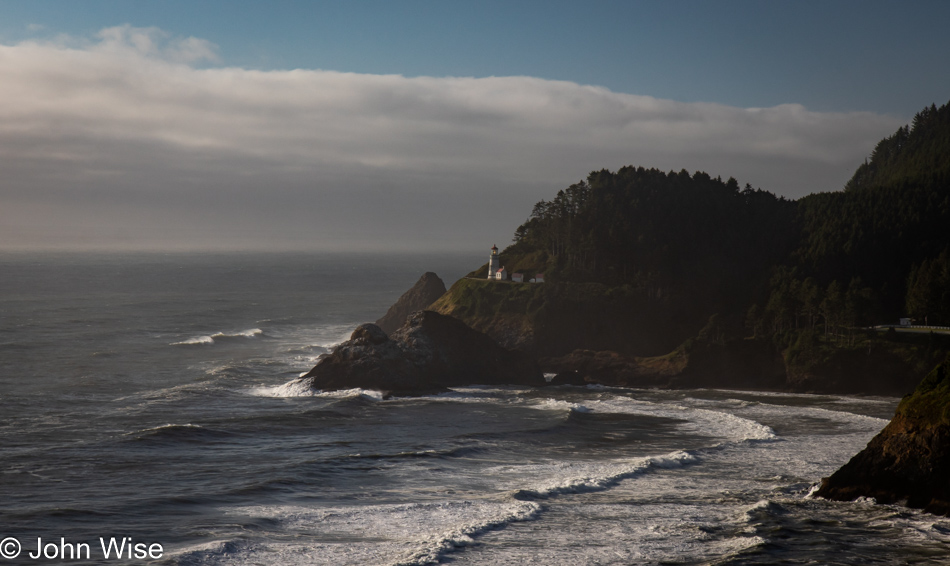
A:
[131,140]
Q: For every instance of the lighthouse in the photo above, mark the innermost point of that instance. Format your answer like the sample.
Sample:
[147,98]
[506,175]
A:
[493,262]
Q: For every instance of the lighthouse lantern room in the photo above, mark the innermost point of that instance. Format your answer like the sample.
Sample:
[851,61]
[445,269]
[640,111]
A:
[493,262]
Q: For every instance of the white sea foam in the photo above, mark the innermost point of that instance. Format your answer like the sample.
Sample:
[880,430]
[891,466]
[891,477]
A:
[397,534]
[810,494]
[703,421]
[560,405]
[844,399]
[371,394]
[605,533]
[199,340]
[482,394]
[561,477]
[699,420]
[922,526]
[300,387]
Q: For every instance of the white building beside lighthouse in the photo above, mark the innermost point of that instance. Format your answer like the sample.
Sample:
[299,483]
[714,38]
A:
[493,262]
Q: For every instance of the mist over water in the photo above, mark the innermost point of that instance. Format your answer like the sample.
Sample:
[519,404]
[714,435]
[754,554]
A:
[147,396]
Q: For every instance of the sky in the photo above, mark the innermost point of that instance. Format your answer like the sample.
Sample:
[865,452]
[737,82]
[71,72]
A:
[425,125]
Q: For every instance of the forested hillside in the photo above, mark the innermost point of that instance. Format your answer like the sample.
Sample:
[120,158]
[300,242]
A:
[807,275]
[878,250]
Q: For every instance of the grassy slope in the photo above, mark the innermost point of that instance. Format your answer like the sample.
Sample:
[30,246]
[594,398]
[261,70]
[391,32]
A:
[555,318]
[482,303]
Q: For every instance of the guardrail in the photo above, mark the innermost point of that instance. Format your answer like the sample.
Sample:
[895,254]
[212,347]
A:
[917,326]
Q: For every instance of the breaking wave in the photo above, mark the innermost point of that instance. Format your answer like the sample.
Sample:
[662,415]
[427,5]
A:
[220,336]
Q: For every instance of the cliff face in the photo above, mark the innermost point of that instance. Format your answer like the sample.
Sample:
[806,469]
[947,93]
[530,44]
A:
[425,292]
[429,353]
[908,461]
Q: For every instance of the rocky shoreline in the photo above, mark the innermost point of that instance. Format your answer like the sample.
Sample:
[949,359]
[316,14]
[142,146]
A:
[908,462]
[429,353]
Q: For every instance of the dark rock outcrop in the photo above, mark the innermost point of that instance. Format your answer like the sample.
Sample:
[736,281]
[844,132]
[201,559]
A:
[908,461]
[603,367]
[425,292]
[429,353]
[746,364]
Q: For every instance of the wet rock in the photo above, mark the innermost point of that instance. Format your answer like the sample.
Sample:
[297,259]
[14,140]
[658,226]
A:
[429,353]
[908,461]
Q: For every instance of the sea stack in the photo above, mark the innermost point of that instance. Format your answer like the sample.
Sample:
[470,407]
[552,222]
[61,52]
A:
[429,353]
[908,461]
[425,292]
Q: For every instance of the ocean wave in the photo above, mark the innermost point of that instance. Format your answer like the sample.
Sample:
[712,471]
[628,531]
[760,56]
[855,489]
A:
[699,420]
[489,390]
[456,452]
[479,394]
[177,433]
[857,422]
[740,429]
[398,534]
[865,422]
[307,353]
[310,339]
[355,393]
[579,477]
[460,534]
[561,405]
[140,401]
[763,508]
[300,387]
[220,336]
[877,399]
[731,548]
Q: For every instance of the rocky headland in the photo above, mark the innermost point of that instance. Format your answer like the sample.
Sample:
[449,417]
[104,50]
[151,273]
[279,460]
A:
[429,353]
[609,335]
[592,333]
[909,461]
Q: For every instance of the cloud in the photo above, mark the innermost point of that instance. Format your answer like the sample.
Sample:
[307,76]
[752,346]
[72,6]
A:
[125,139]
[154,42]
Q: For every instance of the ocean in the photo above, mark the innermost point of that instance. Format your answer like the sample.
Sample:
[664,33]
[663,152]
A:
[148,399]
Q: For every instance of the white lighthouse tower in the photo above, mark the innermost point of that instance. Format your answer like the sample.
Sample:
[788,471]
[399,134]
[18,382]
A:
[493,262]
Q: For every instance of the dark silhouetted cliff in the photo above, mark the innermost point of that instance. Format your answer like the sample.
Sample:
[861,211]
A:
[908,461]
[425,292]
